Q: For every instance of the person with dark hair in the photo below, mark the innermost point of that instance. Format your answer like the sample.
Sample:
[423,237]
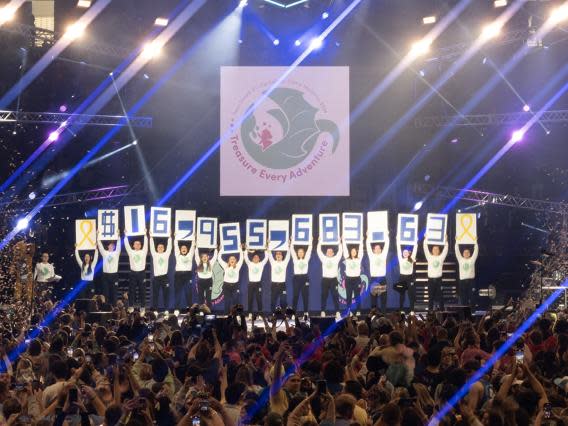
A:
[87,265]
[161,253]
[406,259]
[466,263]
[435,261]
[279,260]
[60,372]
[137,254]
[378,270]
[301,260]
[111,257]
[330,267]
[353,257]
[255,269]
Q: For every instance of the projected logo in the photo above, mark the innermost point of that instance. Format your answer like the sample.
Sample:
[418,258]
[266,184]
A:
[292,139]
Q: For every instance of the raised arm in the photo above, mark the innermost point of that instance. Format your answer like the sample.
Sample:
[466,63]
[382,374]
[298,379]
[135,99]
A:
[320,253]
[360,252]
[339,251]
[152,247]
[220,259]
[308,255]
[214,257]
[293,253]
[368,246]
[95,258]
[78,258]
[241,259]
[100,245]
[458,254]
[475,252]
[426,251]
[386,247]
[343,246]
[169,246]
[177,251]
[145,248]
[127,245]
[445,250]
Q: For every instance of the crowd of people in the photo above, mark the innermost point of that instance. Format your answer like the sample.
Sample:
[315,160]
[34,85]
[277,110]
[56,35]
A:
[197,369]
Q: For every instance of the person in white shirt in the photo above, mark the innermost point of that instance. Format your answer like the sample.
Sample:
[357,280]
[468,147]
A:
[353,258]
[466,262]
[137,254]
[232,268]
[301,259]
[330,266]
[378,270]
[255,269]
[184,252]
[87,265]
[110,257]
[161,262]
[279,266]
[44,274]
[406,257]
[205,262]
[435,271]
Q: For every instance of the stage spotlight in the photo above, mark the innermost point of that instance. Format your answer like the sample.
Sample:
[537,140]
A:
[53,136]
[526,108]
[152,49]
[559,14]
[275,42]
[422,73]
[420,48]
[240,41]
[161,22]
[135,142]
[63,108]
[32,195]
[417,206]
[499,3]
[146,76]
[7,13]
[484,60]
[428,20]
[324,15]
[75,31]
[297,43]
[84,4]
[22,224]
[491,31]
[517,136]
[316,43]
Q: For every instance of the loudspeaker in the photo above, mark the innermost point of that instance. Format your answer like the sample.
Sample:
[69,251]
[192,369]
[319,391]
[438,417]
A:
[85,305]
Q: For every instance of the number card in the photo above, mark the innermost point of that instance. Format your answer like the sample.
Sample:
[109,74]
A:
[185,225]
[206,232]
[160,222]
[329,228]
[230,237]
[407,229]
[278,234]
[378,226]
[302,229]
[352,227]
[436,228]
[134,220]
[86,234]
[466,228]
[256,234]
[108,225]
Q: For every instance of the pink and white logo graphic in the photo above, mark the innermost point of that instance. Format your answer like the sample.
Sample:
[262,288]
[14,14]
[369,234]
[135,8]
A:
[295,142]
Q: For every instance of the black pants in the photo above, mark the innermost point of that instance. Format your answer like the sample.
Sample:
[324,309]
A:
[109,284]
[376,282]
[87,289]
[435,293]
[278,293]
[137,289]
[301,286]
[232,292]
[254,292]
[182,280]
[352,290]
[161,282]
[329,285]
[204,288]
[465,289]
[411,290]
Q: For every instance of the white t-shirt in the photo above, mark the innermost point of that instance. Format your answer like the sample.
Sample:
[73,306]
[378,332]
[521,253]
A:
[161,261]
[206,271]
[278,267]
[378,262]
[137,258]
[329,265]
[435,263]
[43,272]
[231,274]
[85,274]
[301,265]
[255,269]
[110,258]
[353,266]
[184,263]
[467,266]
[406,266]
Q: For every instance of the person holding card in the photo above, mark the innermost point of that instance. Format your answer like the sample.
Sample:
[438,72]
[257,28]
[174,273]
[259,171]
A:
[466,261]
[255,269]
[110,256]
[330,268]
[353,258]
[232,268]
[406,257]
[205,262]
[137,253]
[435,260]
[161,262]
[278,267]
[87,265]
[378,269]
[301,259]
[184,252]
[44,275]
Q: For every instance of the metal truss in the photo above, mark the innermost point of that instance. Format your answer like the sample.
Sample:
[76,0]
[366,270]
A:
[97,194]
[485,198]
[481,120]
[41,37]
[83,119]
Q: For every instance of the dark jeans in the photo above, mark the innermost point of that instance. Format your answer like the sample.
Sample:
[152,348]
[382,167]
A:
[411,289]
[254,292]
[278,293]
[232,292]
[375,282]
[161,282]
[301,286]
[352,290]
[465,290]
[137,289]
[329,285]
[204,288]
[110,283]
[182,280]
[435,293]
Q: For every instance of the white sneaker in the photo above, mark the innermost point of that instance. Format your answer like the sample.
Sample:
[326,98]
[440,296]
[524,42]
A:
[322,314]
